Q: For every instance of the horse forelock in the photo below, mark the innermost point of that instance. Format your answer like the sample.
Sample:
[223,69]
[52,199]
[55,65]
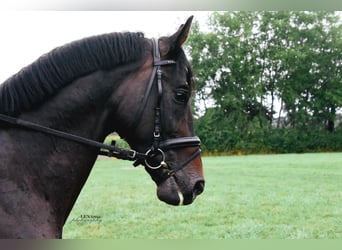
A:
[56,69]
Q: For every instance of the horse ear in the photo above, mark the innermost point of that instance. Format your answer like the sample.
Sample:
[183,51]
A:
[181,35]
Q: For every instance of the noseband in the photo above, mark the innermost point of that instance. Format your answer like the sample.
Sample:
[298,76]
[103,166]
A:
[154,158]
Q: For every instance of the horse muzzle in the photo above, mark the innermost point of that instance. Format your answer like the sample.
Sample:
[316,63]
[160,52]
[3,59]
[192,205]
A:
[173,193]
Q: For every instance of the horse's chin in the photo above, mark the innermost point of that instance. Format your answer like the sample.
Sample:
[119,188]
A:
[172,193]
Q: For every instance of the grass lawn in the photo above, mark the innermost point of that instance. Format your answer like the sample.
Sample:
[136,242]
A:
[291,196]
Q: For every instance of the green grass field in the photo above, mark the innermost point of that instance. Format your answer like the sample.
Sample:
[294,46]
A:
[291,196]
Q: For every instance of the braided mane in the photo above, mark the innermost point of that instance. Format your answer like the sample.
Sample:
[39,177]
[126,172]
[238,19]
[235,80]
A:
[56,69]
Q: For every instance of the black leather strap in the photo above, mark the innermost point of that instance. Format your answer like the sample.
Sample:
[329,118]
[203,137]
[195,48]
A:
[108,150]
[182,142]
[156,63]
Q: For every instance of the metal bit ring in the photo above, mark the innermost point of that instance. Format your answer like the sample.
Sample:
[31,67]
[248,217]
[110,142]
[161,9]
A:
[149,156]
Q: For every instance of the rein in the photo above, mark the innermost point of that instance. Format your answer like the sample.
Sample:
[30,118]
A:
[105,149]
[154,158]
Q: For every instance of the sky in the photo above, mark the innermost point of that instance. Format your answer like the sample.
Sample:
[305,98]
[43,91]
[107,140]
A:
[26,35]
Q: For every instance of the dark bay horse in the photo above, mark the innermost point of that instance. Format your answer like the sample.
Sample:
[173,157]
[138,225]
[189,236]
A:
[55,113]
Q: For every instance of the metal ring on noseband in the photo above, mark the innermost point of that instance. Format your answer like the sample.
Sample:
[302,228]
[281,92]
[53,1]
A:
[150,154]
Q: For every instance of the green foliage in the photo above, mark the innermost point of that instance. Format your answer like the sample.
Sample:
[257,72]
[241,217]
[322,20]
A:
[299,141]
[260,139]
[292,196]
[118,141]
[250,62]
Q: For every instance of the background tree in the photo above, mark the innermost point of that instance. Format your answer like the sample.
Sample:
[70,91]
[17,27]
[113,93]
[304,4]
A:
[268,81]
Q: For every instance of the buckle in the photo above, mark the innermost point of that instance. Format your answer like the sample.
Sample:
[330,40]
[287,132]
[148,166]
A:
[132,154]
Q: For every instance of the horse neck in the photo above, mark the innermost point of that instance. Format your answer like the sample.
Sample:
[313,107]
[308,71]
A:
[62,166]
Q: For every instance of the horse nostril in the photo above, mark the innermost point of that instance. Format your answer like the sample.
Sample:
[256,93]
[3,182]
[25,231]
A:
[198,188]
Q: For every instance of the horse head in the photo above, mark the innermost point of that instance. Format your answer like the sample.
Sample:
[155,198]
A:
[160,122]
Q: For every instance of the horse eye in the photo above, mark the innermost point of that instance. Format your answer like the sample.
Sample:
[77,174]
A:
[182,96]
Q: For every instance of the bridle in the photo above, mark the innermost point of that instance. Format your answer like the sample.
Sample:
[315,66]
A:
[158,146]
[154,158]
